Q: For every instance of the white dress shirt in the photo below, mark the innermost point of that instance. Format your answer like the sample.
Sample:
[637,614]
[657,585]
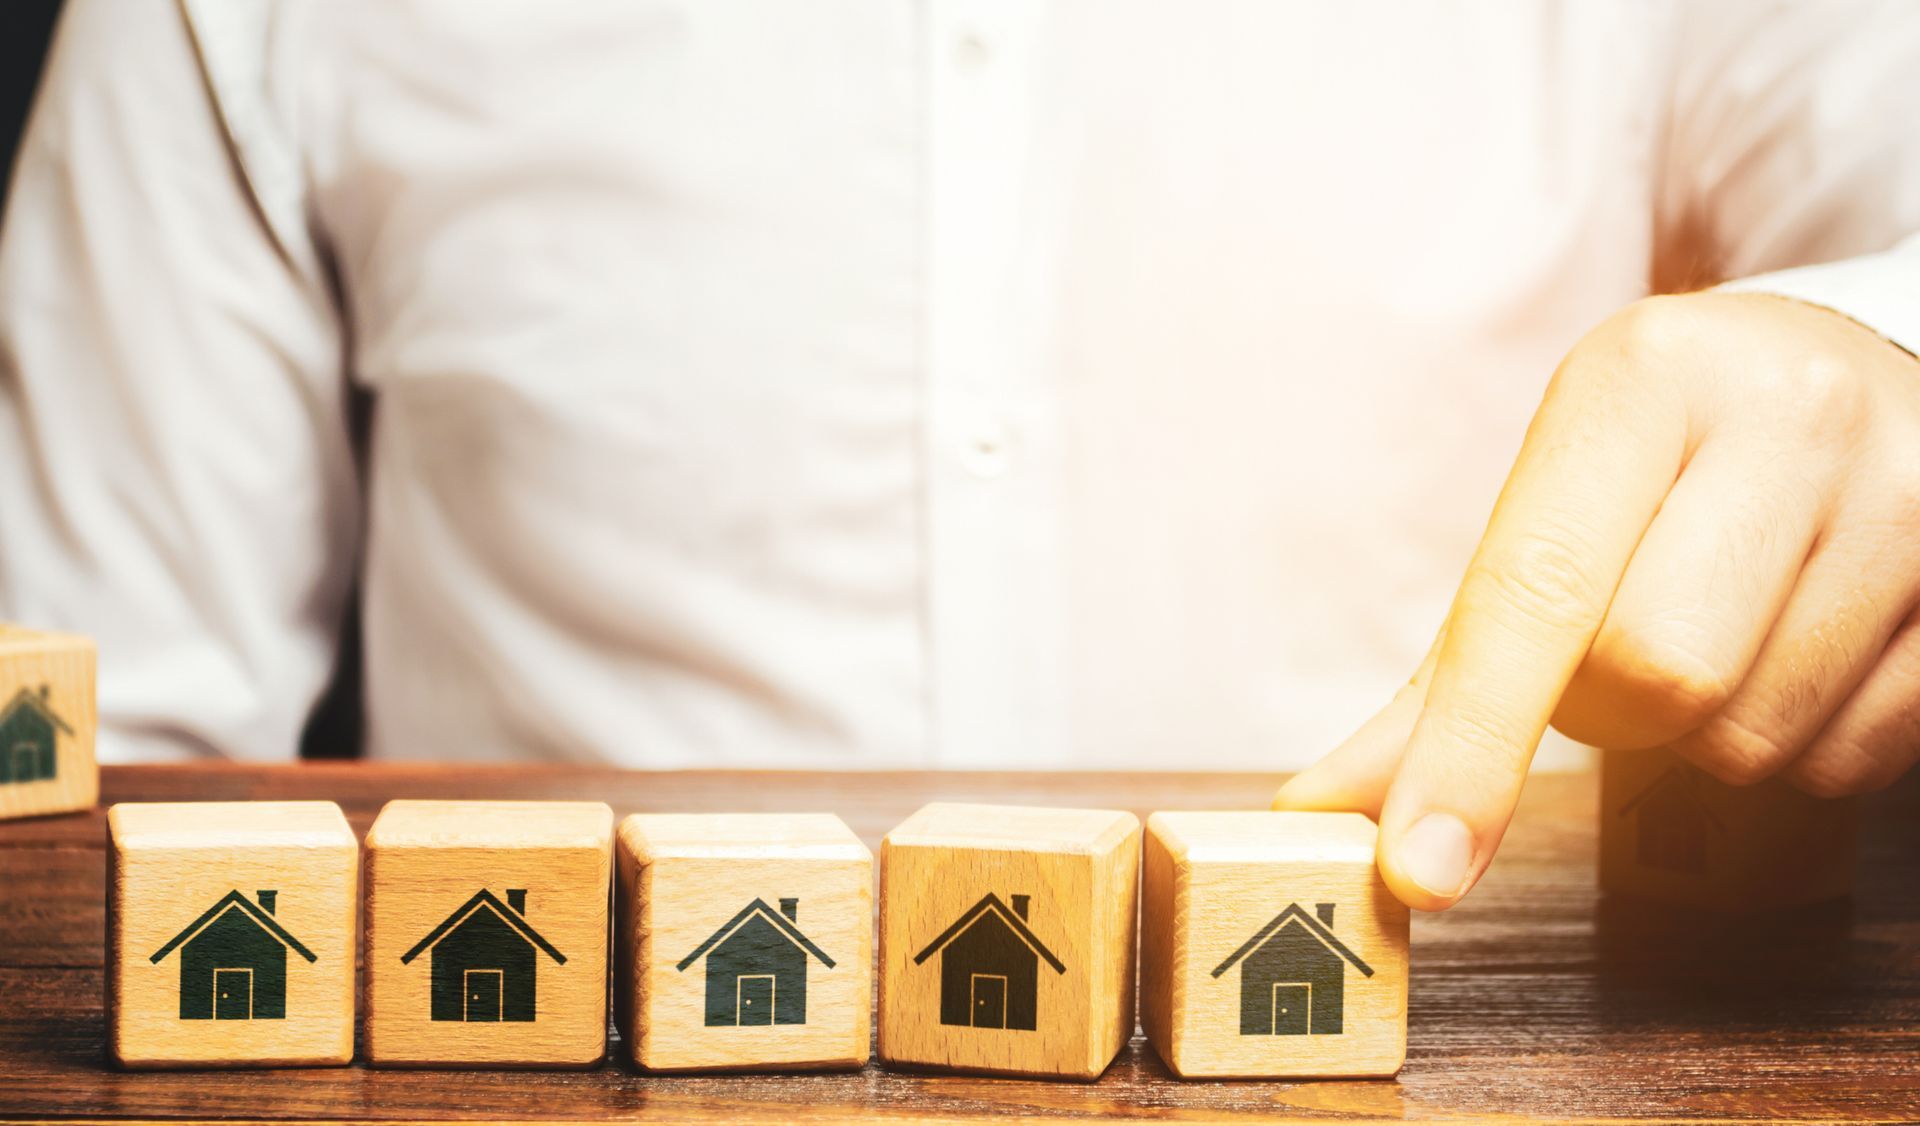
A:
[864,384]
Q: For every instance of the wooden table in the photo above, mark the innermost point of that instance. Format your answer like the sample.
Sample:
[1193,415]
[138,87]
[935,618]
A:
[1533,999]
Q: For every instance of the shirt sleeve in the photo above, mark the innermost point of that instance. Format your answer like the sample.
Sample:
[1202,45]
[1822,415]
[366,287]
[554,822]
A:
[176,475]
[1792,161]
[1881,291]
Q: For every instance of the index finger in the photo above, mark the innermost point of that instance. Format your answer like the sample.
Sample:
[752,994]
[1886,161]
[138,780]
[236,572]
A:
[1601,454]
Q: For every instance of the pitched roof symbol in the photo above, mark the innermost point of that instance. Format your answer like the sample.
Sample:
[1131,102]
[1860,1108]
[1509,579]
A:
[483,898]
[1314,927]
[780,922]
[234,899]
[1686,781]
[37,700]
[991,902]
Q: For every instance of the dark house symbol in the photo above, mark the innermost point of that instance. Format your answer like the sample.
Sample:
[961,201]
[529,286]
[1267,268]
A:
[1671,819]
[484,957]
[990,966]
[1293,975]
[233,961]
[757,967]
[28,728]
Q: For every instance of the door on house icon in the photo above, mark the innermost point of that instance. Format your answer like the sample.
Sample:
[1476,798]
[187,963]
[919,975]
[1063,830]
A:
[756,998]
[1292,1005]
[233,994]
[989,1001]
[25,763]
[485,989]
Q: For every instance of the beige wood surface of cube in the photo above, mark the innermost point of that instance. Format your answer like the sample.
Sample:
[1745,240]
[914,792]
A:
[1671,832]
[1007,939]
[1270,947]
[47,723]
[231,932]
[487,930]
[744,942]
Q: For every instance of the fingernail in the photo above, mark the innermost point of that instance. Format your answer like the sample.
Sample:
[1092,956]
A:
[1436,852]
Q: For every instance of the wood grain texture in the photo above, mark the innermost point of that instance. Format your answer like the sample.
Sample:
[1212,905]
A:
[46,693]
[1007,938]
[1270,947]
[720,913]
[231,934]
[486,934]
[1671,832]
[1536,998]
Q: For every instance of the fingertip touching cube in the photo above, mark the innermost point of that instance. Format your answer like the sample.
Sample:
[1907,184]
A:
[1007,939]
[487,934]
[230,934]
[1270,947]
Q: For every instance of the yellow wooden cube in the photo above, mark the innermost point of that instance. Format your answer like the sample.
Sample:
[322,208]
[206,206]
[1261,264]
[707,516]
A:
[46,723]
[1270,947]
[745,941]
[1007,939]
[1671,832]
[487,933]
[230,934]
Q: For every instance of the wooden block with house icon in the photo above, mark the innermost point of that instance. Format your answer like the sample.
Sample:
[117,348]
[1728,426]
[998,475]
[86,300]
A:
[745,941]
[46,723]
[1270,947]
[1007,939]
[230,934]
[487,933]
[1671,832]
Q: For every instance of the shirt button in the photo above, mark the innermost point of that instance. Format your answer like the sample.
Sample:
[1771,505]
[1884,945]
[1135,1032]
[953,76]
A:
[970,52]
[988,451]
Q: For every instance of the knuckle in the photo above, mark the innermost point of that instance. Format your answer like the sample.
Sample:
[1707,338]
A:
[1735,753]
[1542,578]
[1824,397]
[1486,737]
[1669,683]
[1902,491]
[1857,756]
[1831,775]
[1878,774]
[1656,328]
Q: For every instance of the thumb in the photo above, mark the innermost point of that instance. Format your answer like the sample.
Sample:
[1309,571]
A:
[1355,775]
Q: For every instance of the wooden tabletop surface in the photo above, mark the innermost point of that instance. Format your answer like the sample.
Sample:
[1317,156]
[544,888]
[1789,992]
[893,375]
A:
[1535,998]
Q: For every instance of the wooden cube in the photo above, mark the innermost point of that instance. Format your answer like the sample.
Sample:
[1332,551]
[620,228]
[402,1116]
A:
[230,934]
[46,723]
[1671,832]
[1270,947]
[745,942]
[1007,939]
[487,933]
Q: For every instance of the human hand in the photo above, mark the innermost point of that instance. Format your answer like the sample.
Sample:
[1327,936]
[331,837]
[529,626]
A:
[1710,542]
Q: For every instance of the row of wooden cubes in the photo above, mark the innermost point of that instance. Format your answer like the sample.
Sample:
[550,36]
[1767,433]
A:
[1268,944]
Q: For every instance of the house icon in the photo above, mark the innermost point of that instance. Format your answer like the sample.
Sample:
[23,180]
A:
[1293,975]
[28,729]
[484,958]
[1671,819]
[990,966]
[757,967]
[233,961]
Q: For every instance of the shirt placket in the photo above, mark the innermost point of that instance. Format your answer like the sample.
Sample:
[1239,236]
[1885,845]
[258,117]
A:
[993,526]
